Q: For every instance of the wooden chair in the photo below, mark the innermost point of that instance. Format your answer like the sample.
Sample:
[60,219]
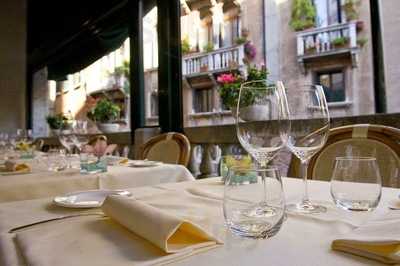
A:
[95,138]
[38,143]
[169,147]
[378,141]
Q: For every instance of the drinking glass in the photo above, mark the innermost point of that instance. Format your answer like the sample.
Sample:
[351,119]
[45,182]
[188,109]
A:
[80,138]
[356,183]
[308,116]
[68,140]
[56,160]
[244,202]
[258,119]
[260,110]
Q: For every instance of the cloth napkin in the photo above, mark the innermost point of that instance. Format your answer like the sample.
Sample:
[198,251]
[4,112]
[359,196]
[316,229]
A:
[168,232]
[378,239]
[138,232]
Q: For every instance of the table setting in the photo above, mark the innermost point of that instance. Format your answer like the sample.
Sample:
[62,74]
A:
[251,215]
[59,171]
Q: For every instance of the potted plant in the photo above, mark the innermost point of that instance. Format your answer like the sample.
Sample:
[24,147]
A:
[361,41]
[311,49]
[209,47]
[350,10]
[230,87]
[240,40]
[303,15]
[57,122]
[185,46]
[104,114]
[121,74]
[340,42]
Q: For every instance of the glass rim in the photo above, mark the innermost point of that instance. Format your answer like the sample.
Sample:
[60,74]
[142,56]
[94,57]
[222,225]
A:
[245,84]
[252,168]
[355,158]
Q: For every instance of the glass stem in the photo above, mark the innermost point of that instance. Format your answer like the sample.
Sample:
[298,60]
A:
[264,165]
[304,166]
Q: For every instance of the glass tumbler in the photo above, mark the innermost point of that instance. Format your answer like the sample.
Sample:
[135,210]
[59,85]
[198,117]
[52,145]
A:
[254,207]
[356,183]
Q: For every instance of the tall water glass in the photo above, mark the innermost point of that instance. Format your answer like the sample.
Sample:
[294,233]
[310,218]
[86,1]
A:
[308,115]
[245,199]
[356,183]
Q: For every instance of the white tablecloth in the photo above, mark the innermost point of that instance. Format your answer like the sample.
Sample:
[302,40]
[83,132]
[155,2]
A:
[303,239]
[43,184]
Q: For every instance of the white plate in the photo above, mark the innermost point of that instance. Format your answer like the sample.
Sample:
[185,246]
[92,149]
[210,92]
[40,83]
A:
[114,160]
[394,204]
[87,199]
[144,163]
[20,172]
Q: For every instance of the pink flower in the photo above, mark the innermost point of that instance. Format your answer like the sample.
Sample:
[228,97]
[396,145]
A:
[226,78]
[100,148]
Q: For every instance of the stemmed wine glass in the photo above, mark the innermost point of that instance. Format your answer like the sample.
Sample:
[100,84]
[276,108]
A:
[80,138]
[308,115]
[67,139]
[259,129]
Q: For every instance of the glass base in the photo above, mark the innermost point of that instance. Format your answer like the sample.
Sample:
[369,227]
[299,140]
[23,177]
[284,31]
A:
[305,208]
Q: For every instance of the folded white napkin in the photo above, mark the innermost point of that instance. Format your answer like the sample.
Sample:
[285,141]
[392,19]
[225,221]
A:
[168,232]
[378,239]
[136,233]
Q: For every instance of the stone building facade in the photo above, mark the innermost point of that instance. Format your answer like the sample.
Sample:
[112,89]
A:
[213,35]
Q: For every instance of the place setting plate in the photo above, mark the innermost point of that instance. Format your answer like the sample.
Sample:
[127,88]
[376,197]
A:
[143,163]
[4,171]
[87,199]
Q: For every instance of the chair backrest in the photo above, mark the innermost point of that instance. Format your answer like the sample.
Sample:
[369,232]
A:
[94,139]
[378,141]
[38,143]
[169,147]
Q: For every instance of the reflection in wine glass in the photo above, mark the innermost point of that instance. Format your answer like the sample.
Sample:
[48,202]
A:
[308,131]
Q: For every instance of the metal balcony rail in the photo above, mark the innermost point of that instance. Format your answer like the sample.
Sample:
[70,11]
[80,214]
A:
[327,39]
[224,58]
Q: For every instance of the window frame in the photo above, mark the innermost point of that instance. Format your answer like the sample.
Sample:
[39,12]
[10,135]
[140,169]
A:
[330,72]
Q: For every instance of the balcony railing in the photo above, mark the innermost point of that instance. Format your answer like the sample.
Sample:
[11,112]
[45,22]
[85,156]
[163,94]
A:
[225,58]
[328,40]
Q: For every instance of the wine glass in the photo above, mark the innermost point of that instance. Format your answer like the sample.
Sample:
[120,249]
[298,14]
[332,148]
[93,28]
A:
[68,140]
[260,110]
[308,131]
[259,113]
[80,138]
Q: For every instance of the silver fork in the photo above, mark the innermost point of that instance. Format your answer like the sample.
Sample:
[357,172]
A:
[54,219]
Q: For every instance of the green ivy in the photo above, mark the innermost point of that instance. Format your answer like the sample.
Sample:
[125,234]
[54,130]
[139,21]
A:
[303,15]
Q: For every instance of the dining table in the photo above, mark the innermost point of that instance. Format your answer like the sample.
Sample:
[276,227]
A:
[41,183]
[37,232]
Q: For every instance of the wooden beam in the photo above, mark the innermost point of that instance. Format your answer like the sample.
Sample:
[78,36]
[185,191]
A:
[169,66]
[136,79]
[378,57]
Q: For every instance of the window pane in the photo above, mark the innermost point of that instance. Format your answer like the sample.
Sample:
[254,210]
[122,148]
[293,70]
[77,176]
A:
[334,86]
[150,62]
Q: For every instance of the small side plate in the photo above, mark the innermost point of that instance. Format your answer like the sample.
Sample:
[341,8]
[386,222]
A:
[87,199]
[3,171]
[144,163]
